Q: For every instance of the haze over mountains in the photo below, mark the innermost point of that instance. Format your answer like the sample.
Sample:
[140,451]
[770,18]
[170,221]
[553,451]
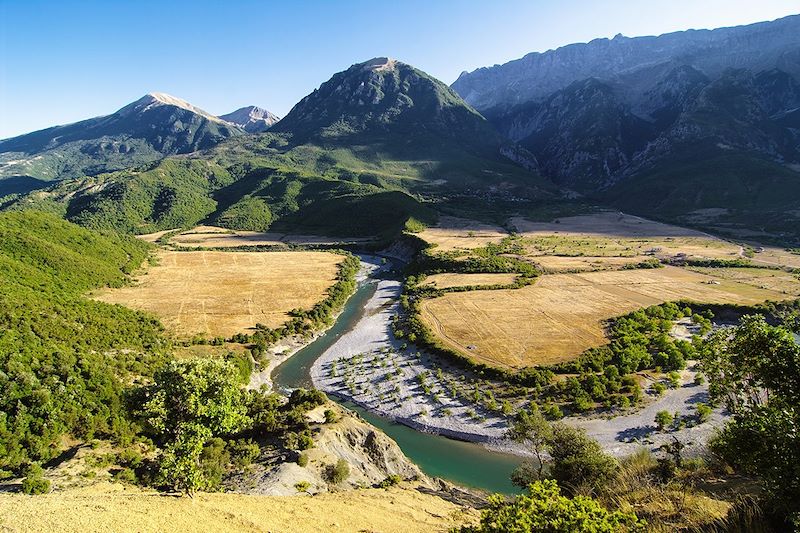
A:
[700,127]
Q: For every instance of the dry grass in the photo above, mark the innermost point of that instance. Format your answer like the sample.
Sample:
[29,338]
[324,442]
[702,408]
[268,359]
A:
[562,315]
[610,234]
[557,263]
[453,233]
[605,223]
[444,281]
[777,257]
[774,280]
[666,507]
[153,237]
[107,507]
[223,293]
[215,237]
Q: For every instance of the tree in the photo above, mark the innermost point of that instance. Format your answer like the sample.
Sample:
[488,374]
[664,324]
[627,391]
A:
[751,364]
[755,369]
[544,510]
[578,460]
[532,429]
[189,403]
[663,419]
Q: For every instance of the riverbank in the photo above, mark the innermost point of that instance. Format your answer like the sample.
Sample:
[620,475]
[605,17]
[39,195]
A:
[371,368]
[288,348]
[368,366]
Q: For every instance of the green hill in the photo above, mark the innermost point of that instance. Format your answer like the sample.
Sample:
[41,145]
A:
[371,148]
[64,358]
[723,190]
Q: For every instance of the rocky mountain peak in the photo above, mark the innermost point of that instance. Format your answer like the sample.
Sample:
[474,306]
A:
[252,119]
[156,99]
[379,64]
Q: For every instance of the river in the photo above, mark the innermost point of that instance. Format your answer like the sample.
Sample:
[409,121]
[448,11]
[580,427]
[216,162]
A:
[463,463]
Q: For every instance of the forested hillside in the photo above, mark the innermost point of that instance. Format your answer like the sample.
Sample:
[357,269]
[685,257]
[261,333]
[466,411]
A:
[64,358]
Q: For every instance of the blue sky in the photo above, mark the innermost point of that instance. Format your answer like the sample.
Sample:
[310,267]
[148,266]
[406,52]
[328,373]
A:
[62,61]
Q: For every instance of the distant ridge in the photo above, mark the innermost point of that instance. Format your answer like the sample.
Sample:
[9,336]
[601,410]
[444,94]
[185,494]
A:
[154,126]
[252,119]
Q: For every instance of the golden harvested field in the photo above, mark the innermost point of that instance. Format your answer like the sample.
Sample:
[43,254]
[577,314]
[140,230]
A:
[216,237]
[777,257]
[453,233]
[224,293]
[153,237]
[774,280]
[558,263]
[109,507]
[562,315]
[613,234]
[444,281]
[605,223]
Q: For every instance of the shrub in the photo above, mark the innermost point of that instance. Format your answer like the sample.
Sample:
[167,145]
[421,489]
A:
[302,460]
[331,416]
[34,482]
[663,419]
[703,412]
[659,388]
[544,509]
[577,460]
[674,380]
[243,452]
[302,486]
[130,457]
[125,475]
[214,461]
[339,472]
[390,481]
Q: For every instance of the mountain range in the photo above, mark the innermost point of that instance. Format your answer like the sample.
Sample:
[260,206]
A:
[699,127]
[683,126]
[147,130]
[358,156]
[251,119]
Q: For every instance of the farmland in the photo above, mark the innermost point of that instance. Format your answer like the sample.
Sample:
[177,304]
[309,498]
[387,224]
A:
[453,233]
[774,280]
[216,237]
[594,267]
[445,281]
[616,235]
[217,293]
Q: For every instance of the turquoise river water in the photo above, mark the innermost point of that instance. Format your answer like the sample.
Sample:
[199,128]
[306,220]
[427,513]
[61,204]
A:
[463,463]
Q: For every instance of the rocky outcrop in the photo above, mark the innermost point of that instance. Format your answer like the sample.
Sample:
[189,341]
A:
[370,454]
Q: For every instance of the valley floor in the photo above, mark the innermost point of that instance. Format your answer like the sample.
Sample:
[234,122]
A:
[370,367]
